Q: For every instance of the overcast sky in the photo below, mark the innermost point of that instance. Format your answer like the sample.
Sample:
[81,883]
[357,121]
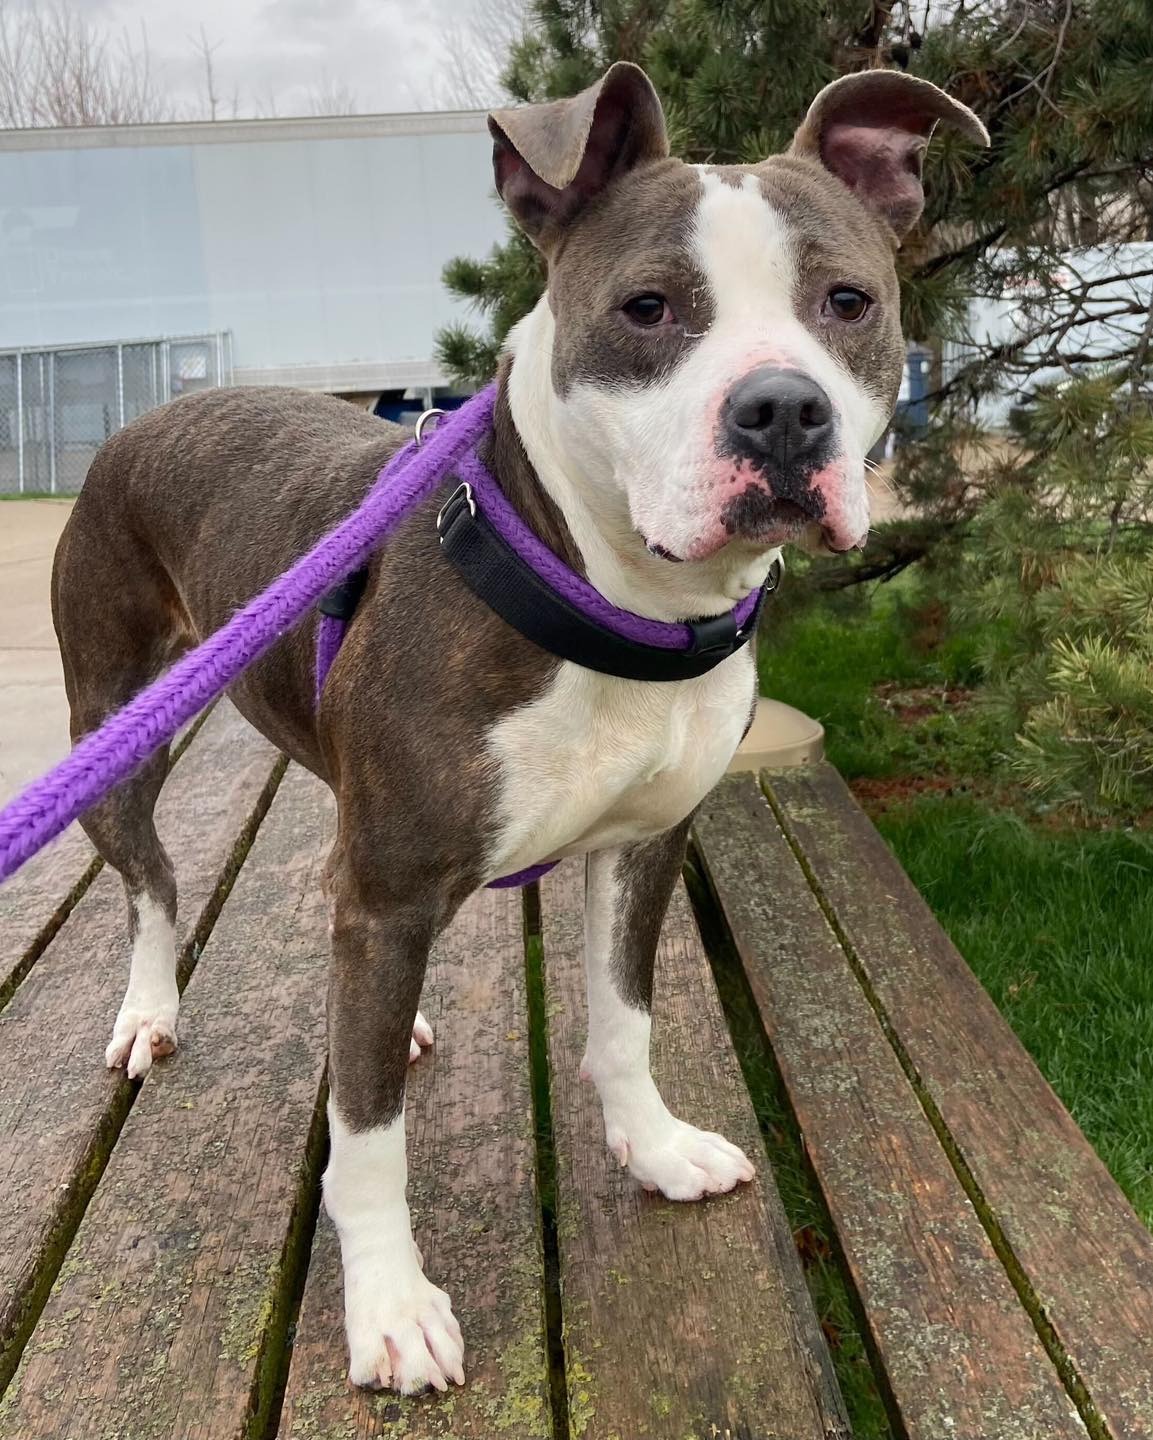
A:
[273,55]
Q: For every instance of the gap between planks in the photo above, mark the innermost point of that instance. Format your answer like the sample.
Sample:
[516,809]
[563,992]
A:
[62,1110]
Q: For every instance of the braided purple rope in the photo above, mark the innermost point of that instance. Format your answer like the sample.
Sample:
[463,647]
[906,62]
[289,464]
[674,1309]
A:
[508,524]
[109,755]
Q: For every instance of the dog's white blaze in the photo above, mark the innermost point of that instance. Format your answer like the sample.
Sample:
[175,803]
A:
[598,761]
[661,1151]
[401,1330]
[147,1016]
[747,250]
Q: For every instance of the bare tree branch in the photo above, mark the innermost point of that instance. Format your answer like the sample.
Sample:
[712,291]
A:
[206,52]
[332,97]
[58,69]
[476,52]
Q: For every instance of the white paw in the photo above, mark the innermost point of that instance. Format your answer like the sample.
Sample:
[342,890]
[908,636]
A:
[421,1036]
[145,1030]
[680,1161]
[402,1334]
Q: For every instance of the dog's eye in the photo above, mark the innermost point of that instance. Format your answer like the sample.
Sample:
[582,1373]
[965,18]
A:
[846,303]
[648,310]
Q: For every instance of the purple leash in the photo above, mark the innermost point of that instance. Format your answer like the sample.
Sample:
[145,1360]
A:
[103,759]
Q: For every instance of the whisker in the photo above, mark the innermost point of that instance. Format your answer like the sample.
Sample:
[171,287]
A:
[877,482]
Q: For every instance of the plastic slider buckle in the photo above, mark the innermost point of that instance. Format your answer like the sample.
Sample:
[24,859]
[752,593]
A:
[341,601]
[715,634]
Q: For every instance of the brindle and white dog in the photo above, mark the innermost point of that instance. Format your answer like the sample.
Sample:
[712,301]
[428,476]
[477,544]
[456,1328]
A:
[717,350]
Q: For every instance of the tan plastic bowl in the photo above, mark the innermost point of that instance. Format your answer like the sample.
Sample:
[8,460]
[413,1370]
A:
[779,737]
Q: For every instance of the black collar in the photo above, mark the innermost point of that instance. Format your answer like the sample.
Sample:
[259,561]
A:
[507,584]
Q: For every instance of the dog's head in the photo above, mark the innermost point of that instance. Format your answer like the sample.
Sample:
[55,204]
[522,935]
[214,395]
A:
[725,341]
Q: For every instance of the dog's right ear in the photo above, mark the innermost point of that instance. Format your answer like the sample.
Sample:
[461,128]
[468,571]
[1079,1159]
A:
[550,160]
[871,129]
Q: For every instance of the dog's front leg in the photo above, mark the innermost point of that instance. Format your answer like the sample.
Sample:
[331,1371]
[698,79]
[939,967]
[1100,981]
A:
[402,1333]
[628,891]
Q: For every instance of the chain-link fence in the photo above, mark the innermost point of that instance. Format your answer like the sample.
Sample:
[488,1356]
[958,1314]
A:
[57,407]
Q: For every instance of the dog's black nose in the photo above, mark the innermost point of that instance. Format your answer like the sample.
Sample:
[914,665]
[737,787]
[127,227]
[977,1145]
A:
[780,414]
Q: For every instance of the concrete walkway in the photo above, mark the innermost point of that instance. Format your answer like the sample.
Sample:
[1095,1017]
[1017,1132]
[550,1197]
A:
[33,710]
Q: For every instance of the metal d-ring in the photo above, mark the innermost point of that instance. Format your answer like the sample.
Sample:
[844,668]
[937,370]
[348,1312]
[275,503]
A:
[422,421]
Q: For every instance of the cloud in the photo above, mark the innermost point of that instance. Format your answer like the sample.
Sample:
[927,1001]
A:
[271,56]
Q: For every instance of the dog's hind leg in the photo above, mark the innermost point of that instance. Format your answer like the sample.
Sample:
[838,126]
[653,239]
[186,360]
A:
[402,1334]
[114,638]
[628,891]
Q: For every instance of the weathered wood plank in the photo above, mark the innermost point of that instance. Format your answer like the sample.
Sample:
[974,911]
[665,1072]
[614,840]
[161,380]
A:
[960,1355]
[1086,1255]
[59,1108]
[36,901]
[473,1194]
[166,1319]
[677,1318]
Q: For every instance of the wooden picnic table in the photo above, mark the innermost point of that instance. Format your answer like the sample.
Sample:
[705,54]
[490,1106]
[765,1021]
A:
[164,1271]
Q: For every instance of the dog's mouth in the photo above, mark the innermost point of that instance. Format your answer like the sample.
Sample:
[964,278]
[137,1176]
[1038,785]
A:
[779,522]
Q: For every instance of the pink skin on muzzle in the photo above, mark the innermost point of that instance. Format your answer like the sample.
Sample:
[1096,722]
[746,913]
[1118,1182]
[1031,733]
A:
[726,481]
[832,482]
[721,481]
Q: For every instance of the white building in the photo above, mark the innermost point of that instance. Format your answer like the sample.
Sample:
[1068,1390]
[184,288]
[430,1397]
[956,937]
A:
[300,252]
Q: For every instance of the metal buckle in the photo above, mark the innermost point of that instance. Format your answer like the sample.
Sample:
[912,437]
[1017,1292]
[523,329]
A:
[463,490]
[421,421]
[769,586]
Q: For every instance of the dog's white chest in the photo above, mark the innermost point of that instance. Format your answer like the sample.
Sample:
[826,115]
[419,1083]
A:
[598,761]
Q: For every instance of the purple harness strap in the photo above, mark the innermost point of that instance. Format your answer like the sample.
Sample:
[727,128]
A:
[109,755]
[329,637]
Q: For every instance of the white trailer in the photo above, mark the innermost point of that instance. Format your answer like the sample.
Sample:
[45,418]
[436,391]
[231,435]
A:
[316,244]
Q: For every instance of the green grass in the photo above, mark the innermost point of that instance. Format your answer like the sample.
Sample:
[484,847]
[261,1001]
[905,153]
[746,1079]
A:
[1056,921]
[828,662]
[1057,926]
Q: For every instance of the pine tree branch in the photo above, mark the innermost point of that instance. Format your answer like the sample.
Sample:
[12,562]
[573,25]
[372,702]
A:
[899,552]
[972,248]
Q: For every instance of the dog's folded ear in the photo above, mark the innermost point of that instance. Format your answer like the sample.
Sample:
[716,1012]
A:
[550,160]
[871,130]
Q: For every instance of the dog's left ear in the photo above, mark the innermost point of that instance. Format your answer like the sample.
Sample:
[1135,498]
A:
[550,160]
[871,130]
